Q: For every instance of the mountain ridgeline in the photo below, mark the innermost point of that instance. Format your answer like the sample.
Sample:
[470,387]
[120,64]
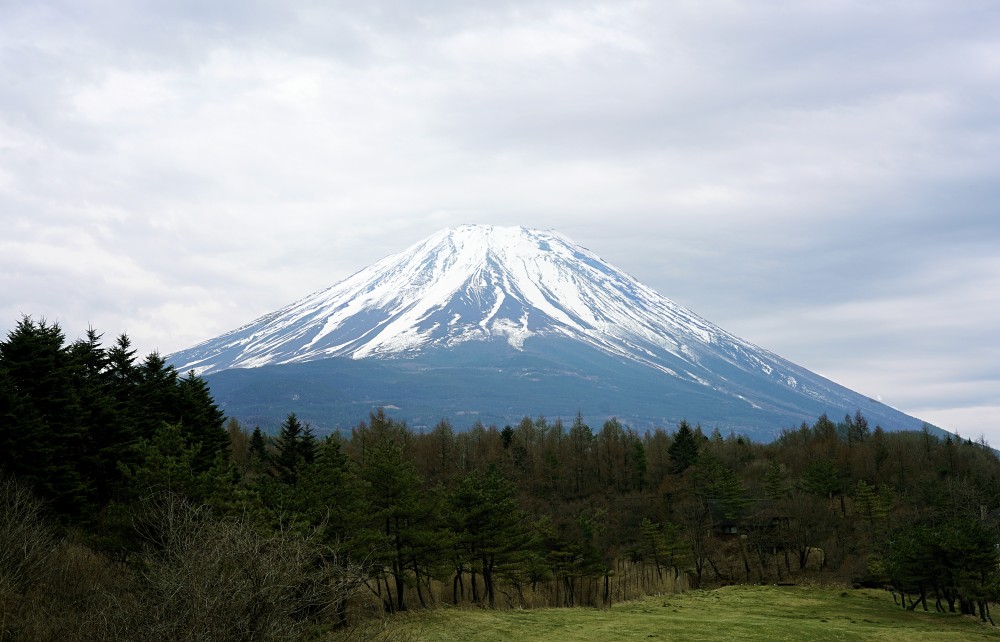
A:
[491,324]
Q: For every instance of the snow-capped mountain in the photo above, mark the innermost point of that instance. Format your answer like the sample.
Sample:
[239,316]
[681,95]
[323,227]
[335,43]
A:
[528,310]
[476,283]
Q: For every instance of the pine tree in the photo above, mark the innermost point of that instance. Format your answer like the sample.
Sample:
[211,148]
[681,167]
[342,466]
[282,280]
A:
[202,420]
[167,463]
[121,363]
[110,437]
[397,515]
[492,530]
[150,392]
[289,451]
[683,451]
[580,443]
[258,445]
[308,446]
[42,422]
[821,477]
[641,465]
[662,544]
[774,482]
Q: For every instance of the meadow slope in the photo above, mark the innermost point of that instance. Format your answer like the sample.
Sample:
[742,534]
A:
[764,613]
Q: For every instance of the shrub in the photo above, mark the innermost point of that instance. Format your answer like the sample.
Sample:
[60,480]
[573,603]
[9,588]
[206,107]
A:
[203,577]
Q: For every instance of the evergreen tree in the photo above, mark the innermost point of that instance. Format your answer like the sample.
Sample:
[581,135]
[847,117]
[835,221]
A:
[821,477]
[397,515]
[110,437]
[288,448]
[641,465]
[308,446]
[167,463]
[580,442]
[258,445]
[121,364]
[492,530]
[202,420]
[661,544]
[683,451]
[150,392]
[774,482]
[42,423]
[721,488]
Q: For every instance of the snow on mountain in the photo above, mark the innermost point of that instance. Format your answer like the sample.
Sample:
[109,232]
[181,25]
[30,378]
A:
[473,283]
[474,297]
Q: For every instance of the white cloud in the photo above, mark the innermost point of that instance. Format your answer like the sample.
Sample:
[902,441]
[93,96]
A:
[819,178]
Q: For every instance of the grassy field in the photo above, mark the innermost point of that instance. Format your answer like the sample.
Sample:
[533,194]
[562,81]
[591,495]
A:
[766,613]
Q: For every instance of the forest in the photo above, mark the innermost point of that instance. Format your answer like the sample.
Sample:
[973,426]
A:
[131,508]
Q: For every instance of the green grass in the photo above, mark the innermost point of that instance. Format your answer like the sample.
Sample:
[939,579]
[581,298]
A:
[766,613]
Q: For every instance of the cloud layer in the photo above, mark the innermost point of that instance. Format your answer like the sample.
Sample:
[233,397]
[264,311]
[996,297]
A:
[819,178]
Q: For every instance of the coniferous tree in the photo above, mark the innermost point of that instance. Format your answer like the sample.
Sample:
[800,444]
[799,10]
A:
[641,464]
[121,365]
[202,420]
[860,427]
[110,438]
[168,464]
[45,421]
[288,448]
[661,543]
[397,517]
[683,450]
[151,392]
[580,440]
[308,446]
[258,445]
[492,530]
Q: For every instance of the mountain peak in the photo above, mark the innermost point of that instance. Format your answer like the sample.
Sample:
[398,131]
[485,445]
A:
[524,309]
[469,283]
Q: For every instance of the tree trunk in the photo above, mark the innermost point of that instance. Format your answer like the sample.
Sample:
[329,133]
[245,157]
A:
[569,594]
[398,568]
[715,569]
[420,593]
[397,573]
[457,587]
[488,581]
[984,611]
[388,595]
[920,600]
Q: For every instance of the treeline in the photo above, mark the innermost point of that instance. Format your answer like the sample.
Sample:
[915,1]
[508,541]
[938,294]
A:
[78,421]
[160,520]
[123,515]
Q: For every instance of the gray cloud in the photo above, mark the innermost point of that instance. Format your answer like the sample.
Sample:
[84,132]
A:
[820,179]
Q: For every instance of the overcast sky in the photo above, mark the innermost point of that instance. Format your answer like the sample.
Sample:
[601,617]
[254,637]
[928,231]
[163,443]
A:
[819,178]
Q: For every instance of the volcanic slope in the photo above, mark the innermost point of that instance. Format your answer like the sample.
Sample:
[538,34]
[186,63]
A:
[495,323]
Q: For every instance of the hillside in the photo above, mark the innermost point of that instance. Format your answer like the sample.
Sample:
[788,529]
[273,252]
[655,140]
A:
[492,324]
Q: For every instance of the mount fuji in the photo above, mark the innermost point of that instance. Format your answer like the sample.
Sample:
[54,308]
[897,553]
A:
[494,323]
